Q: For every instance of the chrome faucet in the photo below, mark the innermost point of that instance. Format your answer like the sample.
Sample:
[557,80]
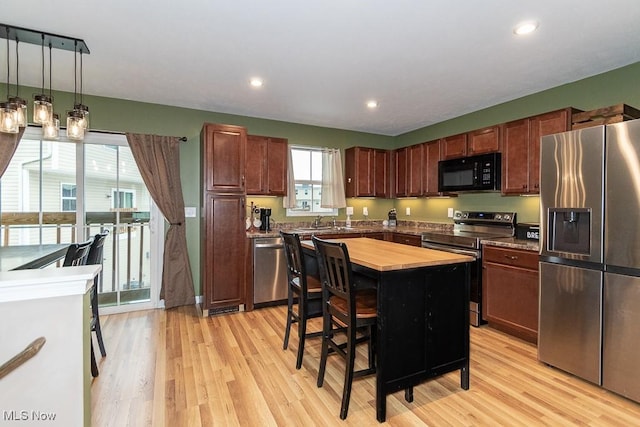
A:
[317,221]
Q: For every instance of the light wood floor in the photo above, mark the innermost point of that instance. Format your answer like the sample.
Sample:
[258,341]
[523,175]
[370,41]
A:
[174,368]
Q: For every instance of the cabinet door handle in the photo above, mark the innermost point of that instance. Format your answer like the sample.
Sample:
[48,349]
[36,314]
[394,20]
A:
[511,257]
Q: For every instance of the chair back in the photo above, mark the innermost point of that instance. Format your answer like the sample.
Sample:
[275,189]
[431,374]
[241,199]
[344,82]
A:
[335,270]
[77,254]
[295,262]
[96,249]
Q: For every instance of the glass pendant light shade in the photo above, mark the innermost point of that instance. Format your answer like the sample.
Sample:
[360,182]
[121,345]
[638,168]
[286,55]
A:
[84,110]
[75,125]
[8,118]
[21,107]
[42,109]
[51,129]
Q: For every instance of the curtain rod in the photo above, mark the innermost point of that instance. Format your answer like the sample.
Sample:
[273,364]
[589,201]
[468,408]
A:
[181,138]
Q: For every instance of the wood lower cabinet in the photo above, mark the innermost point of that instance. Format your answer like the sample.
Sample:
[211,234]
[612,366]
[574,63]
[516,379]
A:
[223,254]
[266,166]
[407,239]
[510,291]
[223,236]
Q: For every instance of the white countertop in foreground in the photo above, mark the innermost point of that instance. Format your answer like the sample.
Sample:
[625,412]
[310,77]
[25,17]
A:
[23,285]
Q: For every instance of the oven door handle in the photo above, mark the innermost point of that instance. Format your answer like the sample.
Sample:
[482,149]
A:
[475,254]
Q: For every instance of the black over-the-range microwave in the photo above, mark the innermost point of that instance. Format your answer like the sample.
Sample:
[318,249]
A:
[475,173]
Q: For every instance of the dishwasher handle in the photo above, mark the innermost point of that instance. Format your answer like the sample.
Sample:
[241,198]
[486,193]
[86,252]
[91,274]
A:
[268,244]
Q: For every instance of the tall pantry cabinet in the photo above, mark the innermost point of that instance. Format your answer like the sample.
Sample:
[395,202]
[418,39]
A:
[222,247]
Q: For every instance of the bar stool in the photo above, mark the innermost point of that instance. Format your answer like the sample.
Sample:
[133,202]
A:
[306,289]
[95,257]
[346,310]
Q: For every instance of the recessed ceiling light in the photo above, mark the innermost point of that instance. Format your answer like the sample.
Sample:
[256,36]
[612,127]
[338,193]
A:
[372,104]
[256,82]
[525,28]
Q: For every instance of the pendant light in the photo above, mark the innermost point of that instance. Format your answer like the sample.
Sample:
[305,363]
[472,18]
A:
[51,129]
[8,110]
[21,104]
[42,104]
[75,118]
[13,112]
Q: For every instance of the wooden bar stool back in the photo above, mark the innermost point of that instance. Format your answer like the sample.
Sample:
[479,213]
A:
[346,310]
[306,290]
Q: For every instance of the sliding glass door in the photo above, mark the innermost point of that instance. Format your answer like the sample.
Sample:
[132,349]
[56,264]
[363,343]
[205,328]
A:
[64,192]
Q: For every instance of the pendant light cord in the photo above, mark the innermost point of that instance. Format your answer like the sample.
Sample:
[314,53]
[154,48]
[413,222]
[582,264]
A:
[8,65]
[75,73]
[81,97]
[50,94]
[42,50]
[17,69]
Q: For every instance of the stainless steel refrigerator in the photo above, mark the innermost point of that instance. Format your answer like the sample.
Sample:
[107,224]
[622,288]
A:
[590,255]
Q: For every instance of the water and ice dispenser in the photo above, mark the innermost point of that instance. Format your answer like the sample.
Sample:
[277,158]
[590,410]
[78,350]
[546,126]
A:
[570,230]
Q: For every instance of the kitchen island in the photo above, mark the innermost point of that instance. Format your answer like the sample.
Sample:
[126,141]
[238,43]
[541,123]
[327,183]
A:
[423,311]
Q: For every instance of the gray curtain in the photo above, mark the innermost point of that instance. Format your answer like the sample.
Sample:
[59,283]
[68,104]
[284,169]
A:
[9,144]
[158,158]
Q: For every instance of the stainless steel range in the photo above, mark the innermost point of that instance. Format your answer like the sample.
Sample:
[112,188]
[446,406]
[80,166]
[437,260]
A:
[469,229]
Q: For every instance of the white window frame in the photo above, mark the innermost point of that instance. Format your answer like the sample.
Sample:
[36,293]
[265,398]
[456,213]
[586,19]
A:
[311,182]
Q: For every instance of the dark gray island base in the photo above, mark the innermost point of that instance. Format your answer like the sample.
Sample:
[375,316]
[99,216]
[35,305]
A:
[423,321]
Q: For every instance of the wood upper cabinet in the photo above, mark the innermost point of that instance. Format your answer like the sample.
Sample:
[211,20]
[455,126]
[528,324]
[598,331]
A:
[266,166]
[382,176]
[510,291]
[454,146]
[430,157]
[521,149]
[367,172]
[359,172]
[480,141]
[223,155]
[400,171]
[414,170]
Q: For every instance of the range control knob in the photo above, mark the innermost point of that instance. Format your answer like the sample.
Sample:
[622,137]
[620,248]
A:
[498,217]
[507,217]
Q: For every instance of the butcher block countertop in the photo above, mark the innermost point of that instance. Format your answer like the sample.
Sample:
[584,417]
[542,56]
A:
[386,256]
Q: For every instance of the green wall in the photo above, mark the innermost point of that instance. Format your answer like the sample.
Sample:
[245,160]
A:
[618,86]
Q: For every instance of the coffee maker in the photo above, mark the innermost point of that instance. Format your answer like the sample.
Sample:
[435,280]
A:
[265,219]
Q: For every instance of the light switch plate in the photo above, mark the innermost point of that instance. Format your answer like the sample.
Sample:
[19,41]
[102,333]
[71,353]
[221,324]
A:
[190,212]
[365,211]
[408,211]
[349,210]
[449,212]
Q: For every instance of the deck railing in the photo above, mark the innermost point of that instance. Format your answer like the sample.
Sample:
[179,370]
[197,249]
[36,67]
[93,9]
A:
[128,242]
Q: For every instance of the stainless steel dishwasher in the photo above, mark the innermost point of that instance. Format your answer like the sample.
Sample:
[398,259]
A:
[269,271]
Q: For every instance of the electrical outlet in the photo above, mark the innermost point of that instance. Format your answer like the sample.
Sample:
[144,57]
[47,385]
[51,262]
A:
[190,212]
[407,211]
[450,213]
[365,211]
[349,210]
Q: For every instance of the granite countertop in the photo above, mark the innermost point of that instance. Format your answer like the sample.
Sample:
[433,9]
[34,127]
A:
[512,242]
[409,227]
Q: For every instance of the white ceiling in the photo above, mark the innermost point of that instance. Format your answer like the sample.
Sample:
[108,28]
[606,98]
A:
[425,61]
